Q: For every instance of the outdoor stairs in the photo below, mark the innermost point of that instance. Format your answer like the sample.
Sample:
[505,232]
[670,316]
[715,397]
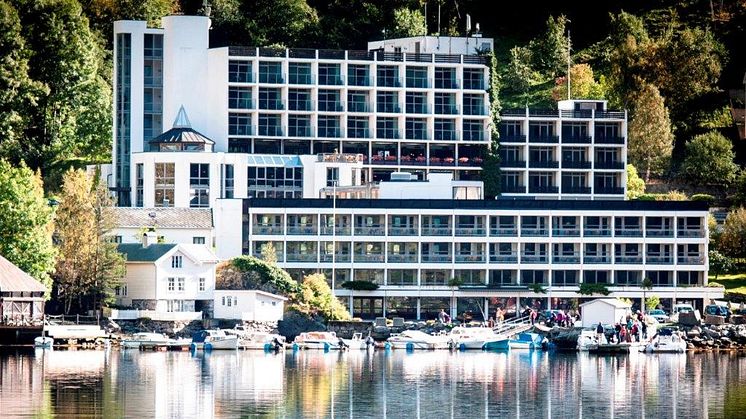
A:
[514,326]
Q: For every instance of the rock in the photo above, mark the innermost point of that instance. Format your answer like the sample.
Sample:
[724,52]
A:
[738,319]
[296,323]
[695,332]
[714,320]
[691,318]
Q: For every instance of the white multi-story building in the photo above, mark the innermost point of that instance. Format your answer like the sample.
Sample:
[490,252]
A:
[170,225]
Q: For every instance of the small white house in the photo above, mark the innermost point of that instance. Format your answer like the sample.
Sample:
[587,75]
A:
[248,305]
[166,281]
[604,310]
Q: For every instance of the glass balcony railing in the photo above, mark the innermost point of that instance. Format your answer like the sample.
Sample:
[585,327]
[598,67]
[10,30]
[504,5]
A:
[301,230]
[418,109]
[504,258]
[690,259]
[657,232]
[388,108]
[403,231]
[271,105]
[597,232]
[576,164]
[549,139]
[271,131]
[690,232]
[470,258]
[339,257]
[609,165]
[628,232]
[401,258]
[301,257]
[608,140]
[543,164]
[585,190]
[566,258]
[463,231]
[267,230]
[534,258]
[534,232]
[368,258]
[543,189]
[659,259]
[370,231]
[597,259]
[339,231]
[503,232]
[358,133]
[435,257]
[627,259]
[358,107]
[327,106]
[436,231]
[271,78]
[330,133]
[512,138]
[606,190]
[566,232]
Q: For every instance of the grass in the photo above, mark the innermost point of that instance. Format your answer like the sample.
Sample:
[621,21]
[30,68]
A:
[732,283]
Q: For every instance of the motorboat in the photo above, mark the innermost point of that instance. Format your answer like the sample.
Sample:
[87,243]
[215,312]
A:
[43,342]
[526,340]
[497,343]
[213,339]
[317,340]
[666,340]
[414,339]
[358,342]
[589,340]
[145,338]
[258,340]
[464,338]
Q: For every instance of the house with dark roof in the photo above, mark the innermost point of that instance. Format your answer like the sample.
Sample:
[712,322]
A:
[171,225]
[21,296]
[166,281]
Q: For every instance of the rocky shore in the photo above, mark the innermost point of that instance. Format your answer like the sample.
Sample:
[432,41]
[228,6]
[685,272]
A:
[720,337]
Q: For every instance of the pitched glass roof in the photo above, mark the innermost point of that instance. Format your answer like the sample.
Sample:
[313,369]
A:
[270,160]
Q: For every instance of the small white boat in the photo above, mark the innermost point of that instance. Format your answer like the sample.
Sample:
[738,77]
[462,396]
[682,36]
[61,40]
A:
[666,340]
[464,338]
[145,338]
[258,340]
[526,340]
[588,340]
[414,339]
[213,339]
[358,342]
[44,342]
[317,340]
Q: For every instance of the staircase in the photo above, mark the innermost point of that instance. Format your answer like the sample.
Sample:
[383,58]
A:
[514,326]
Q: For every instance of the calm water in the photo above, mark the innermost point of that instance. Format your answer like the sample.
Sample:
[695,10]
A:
[382,384]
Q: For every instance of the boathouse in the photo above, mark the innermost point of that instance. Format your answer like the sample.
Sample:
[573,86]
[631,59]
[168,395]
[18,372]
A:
[21,297]
[604,310]
[248,305]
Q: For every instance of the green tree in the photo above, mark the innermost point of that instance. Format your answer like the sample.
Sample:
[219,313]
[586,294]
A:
[652,302]
[635,185]
[709,160]
[89,266]
[647,285]
[408,22]
[26,222]
[739,187]
[491,165]
[315,298]
[550,51]
[733,237]
[650,138]
[18,93]
[719,263]
[582,84]
[269,254]
[518,74]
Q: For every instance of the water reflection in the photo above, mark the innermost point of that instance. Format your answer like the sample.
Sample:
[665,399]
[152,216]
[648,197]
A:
[360,384]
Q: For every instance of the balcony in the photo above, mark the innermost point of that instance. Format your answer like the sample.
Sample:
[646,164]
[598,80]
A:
[503,232]
[697,233]
[656,232]
[436,258]
[548,139]
[388,108]
[474,135]
[597,232]
[301,230]
[576,139]
[358,107]
[609,165]
[470,231]
[470,259]
[551,113]
[512,138]
[266,230]
[418,83]
[578,113]
[339,257]
[597,259]
[436,231]
[388,82]
[271,131]
[584,190]
[628,232]
[300,105]
[358,133]
[370,231]
[566,258]
[331,80]
[518,164]
[543,189]
[471,84]
[534,232]
[446,135]
[691,259]
[300,132]
[300,257]
[376,159]
[446,84]
[478,110]
[576,164]
[403,231]
[330,133]
[609,140]
[339,231]
[504,258]
[358,81]
[607,190]
[368,258]
[628,259]
[512,189]
[610,115]
[543,164]
[659,260]
[446,109]
[397,258]
[418,109]
[534,258]
[566,232]
[271,78]
[326,106]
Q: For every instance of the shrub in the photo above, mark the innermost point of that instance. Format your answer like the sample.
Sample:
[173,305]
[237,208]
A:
[590,289]
[703,197]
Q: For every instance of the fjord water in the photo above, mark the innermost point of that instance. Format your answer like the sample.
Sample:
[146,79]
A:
[440,384]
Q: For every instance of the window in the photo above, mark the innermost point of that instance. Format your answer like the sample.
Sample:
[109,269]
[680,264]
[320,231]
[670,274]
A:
[198,240]
[270,72]
[199,185]
[120,290]
[239,71]
[329,74]
[328,126]
[416,129]
[473,78]
[387,128]
[357,101]
[474,105]
[239,124]
[299,126]
[332,176]
[417,77]
[229,181]
[388,76]
[541,130]
[445,103]
[223,300]
[387,102]
[329,101]
[176,261]
[274,182]
[417,102]
[357,75]
[510,130]
[270,99]
[473,130]
[574,131]
[230,301]
[117,239]
[164,184]
[270,125]
[445,78]
[445,130]
[239,97]
[202,284]
[175,305]
[171,284]
[596,277]
[627,278]
[140,185]
[299,73]
[357,127]
[299,100]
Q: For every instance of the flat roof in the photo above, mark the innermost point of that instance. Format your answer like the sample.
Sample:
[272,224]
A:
[476,204]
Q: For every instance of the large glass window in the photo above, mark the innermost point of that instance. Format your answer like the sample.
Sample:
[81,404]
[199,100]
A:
[299,100]
[139,192]
[388,76]
[270,98]
[270,125]
[357,127]
[387,102]
[199,185]
[299,126]
[474,78]
[416,129]
[329,74]
[445,103]
[357,101]
[417,103]
[417,77]
[474,105]
[164,184]
[387,128]
[229,181]
[445,130]
[270,72]
[274,182]
[299,73]
[239,124]
[329,101]
[445,78]
[239,97]
[473,130]
[357,75]
[328,126]
[239,72]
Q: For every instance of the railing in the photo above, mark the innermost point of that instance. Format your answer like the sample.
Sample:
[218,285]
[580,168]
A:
[608,140]
[436,231]
[266,230]
[339,231]
[470,259]
[358,133]
[543,112]
[418,57]
[300,132]
[627,259]
[513,189]
[446,84]
[418,109]
[429,258]
[448,58]
[300,105]
[512,138]
[469,231]
[596,259]
[690,233]
[307,53]
[576,190]
[513,112]
[271,78]
[327,106]
[576,139]
[579,113]
[552,139]
[339,257]
[370,231]
[654,232]
[242,51]
[446,109]
[475,110]
[301,230]
[300,257]
[301,79]
[473,85]
[609,115]
[573,258]
[339,157]
[566,232]
[397,258]
[543,164]
[117,314]
[273,105]
[597,232]
[576,164]
[503,232]
[388,82]
[331,80]
[418,83]
[609,165]
[360,55]
[272,52]
[368,258]
[543,189]
[610,190]
[388,108]
[507,258]
[691,260]
[534,232]
[358,107]
[659,260]
[534,258]
[446,135]
[272,131]
[513,163]
[628,232]
[329,133]
[358,81]
[240,130]
[403,231]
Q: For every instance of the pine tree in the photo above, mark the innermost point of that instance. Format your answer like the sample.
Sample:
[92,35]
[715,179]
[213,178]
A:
[650,137]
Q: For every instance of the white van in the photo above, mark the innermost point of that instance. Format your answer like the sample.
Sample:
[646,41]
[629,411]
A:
[680,308]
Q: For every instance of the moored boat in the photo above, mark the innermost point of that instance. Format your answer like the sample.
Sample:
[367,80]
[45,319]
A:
[414,339]
[526,340]
[145,338]
[666,340]
[498,343]
[317,340]
[213,339]
[43,342]
[358,342]
[464,338]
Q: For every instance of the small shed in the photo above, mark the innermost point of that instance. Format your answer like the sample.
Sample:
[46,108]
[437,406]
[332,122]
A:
[604,310]
[21,296]
[248,305]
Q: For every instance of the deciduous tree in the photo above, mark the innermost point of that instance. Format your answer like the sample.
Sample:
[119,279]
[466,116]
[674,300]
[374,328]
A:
[635,185]
[408,22]
[550,51]
[582,84]
[709,160]
[650,138]
[733,238]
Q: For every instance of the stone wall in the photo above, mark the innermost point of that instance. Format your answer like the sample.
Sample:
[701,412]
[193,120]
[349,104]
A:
[345,329]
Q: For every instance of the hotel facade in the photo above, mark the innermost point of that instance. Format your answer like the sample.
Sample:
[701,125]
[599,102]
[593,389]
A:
[260,135]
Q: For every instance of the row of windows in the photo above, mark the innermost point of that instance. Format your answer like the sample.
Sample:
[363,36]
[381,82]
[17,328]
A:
[179,284]
[357,75]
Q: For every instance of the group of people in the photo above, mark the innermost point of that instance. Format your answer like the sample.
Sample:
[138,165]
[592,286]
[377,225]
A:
[630,328]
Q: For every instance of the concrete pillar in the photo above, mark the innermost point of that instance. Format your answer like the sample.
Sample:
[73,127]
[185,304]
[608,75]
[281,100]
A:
[454,307]
[418,308]
[349,300]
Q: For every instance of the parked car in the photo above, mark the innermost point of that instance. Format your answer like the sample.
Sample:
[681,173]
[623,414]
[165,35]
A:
[717,310]
[659,315]
[680,308]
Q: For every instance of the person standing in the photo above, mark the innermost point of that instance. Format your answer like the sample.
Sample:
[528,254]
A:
[600,332]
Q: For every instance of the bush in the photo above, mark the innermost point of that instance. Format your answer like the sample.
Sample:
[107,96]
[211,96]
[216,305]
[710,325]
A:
[360,285]
[647,197]
[703,197]
[590,289]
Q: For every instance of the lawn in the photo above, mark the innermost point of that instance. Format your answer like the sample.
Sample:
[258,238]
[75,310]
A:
[732,283]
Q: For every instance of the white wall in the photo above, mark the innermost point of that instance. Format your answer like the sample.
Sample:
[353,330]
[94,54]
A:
[191,272]
[170,235]
[217,82]
[247,305]
[228,215]
[438,186]
[139,279]
[434,44]
[599,311]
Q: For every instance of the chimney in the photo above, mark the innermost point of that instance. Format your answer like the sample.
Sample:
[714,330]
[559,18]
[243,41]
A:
[149,238]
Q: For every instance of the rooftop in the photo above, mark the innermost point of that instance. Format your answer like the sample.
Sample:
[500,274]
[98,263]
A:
[135,252]
[199,218]
[13,279]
